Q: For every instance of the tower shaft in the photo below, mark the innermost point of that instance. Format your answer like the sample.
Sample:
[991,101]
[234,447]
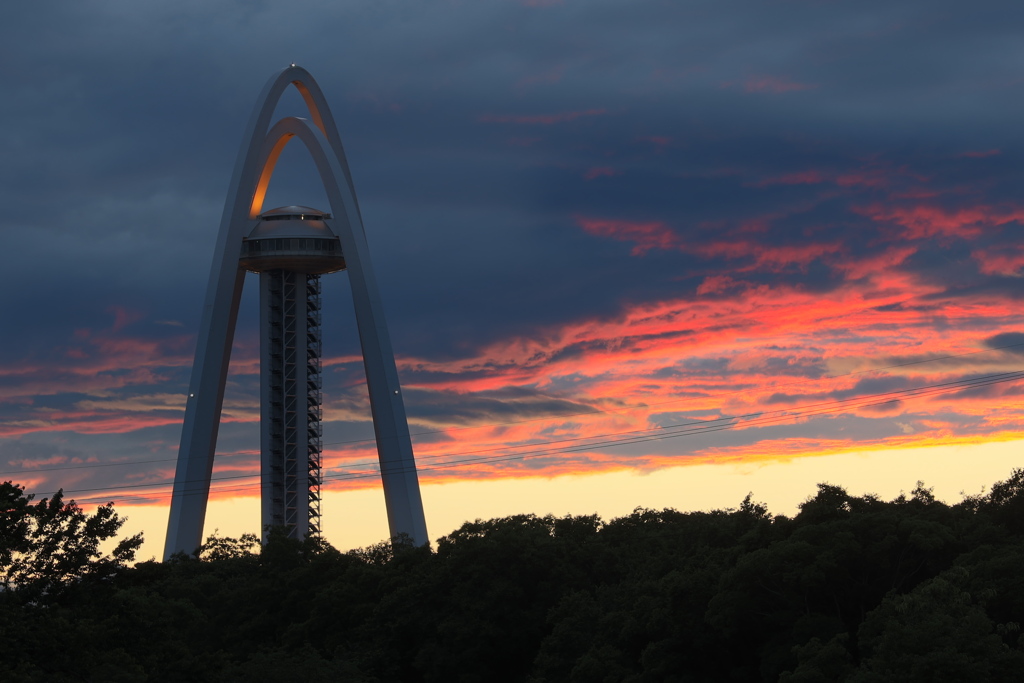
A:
[290,412]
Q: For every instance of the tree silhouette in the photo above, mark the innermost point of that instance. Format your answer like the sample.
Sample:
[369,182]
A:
[49,544]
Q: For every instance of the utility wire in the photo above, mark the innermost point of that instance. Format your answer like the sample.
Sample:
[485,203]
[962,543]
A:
[639,436]
[549,417]
[679,400]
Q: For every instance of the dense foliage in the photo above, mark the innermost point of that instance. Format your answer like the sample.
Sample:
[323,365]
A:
[47,545]
[853,588]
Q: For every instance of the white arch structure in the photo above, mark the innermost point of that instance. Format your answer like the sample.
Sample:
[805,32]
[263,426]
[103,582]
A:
[261,147]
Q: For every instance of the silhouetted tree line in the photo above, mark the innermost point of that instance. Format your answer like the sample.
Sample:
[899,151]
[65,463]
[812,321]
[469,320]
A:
[852,589]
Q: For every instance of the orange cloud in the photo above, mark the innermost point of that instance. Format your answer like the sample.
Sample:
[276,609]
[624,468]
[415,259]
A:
[737,355]
[740,345]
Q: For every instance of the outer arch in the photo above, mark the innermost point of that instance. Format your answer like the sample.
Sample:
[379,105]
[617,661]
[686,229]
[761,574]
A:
[252,172]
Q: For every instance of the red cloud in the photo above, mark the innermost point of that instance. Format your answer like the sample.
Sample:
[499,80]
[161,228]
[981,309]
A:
[123,317]
[1002,261]
[87,423]
[719,284]
[798,178]
[647,235]
[925,220]
[899,182]
[777,258]
[662,363]
[766,257]
[753,346]
[599,171]
[981,155]
[867,178]
[657,140]
[875,264]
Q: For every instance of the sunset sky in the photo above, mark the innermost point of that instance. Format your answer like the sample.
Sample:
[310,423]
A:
[631,253]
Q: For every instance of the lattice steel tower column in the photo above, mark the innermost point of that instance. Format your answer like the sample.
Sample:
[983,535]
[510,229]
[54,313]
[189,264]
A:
[290,248]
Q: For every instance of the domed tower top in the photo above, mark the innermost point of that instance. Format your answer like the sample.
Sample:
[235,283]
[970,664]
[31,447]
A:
[296,238]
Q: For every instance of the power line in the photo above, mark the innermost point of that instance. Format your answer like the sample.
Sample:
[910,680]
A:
[641,436]
[549,417]
[84,466]
[679,400]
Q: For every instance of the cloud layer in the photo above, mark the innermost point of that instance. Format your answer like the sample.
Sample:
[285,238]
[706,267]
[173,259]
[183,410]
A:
[609,236]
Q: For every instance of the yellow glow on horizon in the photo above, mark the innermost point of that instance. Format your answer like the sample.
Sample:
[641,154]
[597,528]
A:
[357,518]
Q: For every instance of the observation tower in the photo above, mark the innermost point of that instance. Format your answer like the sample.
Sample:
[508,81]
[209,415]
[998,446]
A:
[290,247]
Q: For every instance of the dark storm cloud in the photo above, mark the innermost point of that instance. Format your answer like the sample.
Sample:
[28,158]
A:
[774,144]
[1012,342]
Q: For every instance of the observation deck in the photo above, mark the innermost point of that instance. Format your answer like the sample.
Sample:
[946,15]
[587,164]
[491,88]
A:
[293,238]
